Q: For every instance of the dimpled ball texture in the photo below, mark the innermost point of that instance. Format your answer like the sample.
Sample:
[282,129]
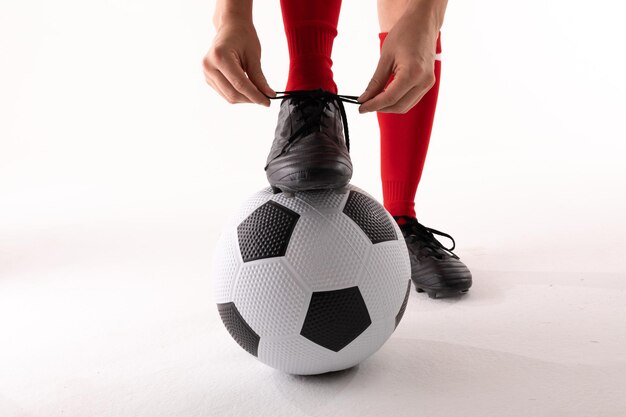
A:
[312,282]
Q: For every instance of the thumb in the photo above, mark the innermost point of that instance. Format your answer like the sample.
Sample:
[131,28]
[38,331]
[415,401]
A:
[378,81]
[255,74]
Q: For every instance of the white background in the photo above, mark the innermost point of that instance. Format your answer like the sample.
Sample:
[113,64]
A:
[118,165]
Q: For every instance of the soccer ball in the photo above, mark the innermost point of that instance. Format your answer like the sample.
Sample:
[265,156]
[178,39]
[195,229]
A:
[311,282]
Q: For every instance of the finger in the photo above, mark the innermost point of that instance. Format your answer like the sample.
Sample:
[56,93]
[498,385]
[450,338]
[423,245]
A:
[397,88]
[406,103]
[233,71]
[255,74]
[210,75]
[213,86]
[216,88]
[226,89]
[378,81]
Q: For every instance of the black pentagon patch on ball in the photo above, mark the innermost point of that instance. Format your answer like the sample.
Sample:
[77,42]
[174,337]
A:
[335,318]
[238,328]
[265,233]
[370,217]
[403,306]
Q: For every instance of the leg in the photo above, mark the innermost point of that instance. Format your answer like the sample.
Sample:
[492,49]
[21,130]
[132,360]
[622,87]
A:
[404,142]
[310,151]
[404,137]
[311,28]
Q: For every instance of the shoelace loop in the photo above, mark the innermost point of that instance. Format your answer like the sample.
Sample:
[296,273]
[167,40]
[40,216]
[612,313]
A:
[322,99]
[427,235]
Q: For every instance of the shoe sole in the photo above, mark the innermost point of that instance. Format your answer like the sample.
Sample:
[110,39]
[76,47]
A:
[458,290]
[311,179]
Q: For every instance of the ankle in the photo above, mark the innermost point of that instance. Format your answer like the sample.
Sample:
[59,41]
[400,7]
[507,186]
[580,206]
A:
[310,47]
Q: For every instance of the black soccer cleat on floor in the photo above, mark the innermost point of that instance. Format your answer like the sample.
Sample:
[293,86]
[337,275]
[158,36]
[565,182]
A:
[435,269]
[309,150]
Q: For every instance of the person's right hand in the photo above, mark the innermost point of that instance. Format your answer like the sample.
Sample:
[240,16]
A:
[233,65]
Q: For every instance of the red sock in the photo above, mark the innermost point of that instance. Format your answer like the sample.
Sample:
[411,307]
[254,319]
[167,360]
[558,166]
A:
[403,145]
[311,28]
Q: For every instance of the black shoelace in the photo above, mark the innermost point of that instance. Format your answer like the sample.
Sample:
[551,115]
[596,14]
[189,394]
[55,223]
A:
[426,236]
[317,101]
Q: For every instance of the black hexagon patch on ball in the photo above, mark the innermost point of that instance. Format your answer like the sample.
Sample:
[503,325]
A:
[335,318]
[265,233]
[370,216]
[238,328]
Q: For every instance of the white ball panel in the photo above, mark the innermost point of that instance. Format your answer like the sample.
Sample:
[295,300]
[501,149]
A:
[324,259]
[324,199]
[226,262]
[384,286]
[351,232]
[269,299]
[296,355]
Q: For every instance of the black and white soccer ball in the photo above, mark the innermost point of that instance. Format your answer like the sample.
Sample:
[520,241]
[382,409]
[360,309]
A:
[314,282]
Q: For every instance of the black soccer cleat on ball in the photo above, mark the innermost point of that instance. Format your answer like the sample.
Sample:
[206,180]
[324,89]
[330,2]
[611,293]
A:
[435,269]
[309,150]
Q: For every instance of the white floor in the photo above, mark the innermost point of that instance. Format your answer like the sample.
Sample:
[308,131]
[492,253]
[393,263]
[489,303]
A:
[117,322]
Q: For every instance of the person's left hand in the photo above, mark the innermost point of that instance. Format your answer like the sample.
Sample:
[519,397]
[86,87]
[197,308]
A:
[408,53]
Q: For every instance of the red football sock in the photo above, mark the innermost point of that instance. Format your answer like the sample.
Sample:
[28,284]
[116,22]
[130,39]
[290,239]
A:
[311,28]
[403,145]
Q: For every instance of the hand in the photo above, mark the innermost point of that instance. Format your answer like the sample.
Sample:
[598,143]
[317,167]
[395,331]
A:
[233,65]
[408,53]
